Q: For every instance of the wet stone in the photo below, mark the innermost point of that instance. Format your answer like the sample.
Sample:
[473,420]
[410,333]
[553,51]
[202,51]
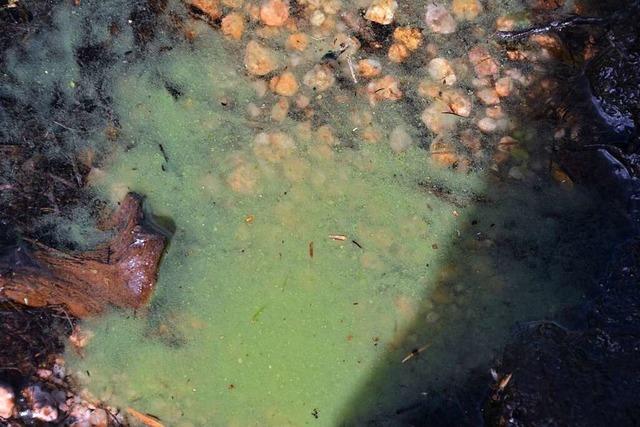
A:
[439,20]
[482,61]
[441,70]
[284,84]
[99,418]
[274,12]
[399,140]
[259,60]
[466,10]
[7,401]
[381,11]
[41,404]
[369,68]
[320,78]
[233,26]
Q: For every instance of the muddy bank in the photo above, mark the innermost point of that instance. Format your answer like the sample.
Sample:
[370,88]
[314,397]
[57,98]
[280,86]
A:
[579,369]
[62,254]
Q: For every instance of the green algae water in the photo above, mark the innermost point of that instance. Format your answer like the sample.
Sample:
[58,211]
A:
[319,275]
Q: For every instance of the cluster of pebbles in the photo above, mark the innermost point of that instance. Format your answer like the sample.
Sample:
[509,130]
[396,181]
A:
[298,55]
[50,396]
[48,399]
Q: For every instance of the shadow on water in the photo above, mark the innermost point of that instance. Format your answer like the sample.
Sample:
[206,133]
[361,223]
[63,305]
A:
[446,383]
[465,320]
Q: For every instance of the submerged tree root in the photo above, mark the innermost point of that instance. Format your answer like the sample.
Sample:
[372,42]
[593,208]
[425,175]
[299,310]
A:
[120,273]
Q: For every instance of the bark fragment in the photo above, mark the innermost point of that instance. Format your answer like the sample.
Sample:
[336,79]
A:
[120,273]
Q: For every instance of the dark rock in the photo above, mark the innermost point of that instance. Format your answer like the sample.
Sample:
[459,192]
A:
[585,377]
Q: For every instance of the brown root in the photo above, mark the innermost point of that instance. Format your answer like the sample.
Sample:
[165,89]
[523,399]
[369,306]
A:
[120,273]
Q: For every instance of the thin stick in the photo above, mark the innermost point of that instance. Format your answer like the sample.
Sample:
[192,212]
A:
[415,352]
[353,72]
[66,127]
[552,26]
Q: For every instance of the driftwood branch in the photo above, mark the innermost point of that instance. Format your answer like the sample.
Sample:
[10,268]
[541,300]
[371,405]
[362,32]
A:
[559,25]
[121,273]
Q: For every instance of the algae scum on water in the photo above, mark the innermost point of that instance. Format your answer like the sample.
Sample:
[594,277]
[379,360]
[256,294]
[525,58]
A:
[334,261]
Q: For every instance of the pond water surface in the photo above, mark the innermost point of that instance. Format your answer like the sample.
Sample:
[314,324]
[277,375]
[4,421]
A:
[347,247]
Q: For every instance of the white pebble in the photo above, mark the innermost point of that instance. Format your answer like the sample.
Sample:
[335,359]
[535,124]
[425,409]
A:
[441,70]
[487,125]
[488,96]
[317,18]
[7,401]
[440,20]
[381,11]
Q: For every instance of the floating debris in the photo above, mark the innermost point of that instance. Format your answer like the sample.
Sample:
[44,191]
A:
[381,11]
[415,352]
[338,237]
[148,420]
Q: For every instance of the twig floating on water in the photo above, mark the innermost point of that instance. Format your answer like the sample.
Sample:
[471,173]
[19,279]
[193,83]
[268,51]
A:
[504,382]
[338,237]
[148,420]
[415,352]
[66,127]
[164,153]
[501,385]
[453,114]
[352,70]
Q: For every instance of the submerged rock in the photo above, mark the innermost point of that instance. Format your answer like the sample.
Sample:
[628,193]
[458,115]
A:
[439,20]
[274,12]
[386,88]
[211,8]
[259,60]
[41,404]
[442,152]
[458,103]
[482,61]
[441,70]
[466,10]
[297,42]
[232,26]
[381,11]
[398,53]
[488,96]
[408,36]
[436,118]
[284,84]
[399,140]
[99,418]
[487,125]
[369,68]
[320,78]
[504,86]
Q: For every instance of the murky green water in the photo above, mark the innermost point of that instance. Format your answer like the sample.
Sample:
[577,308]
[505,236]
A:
[307,263]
